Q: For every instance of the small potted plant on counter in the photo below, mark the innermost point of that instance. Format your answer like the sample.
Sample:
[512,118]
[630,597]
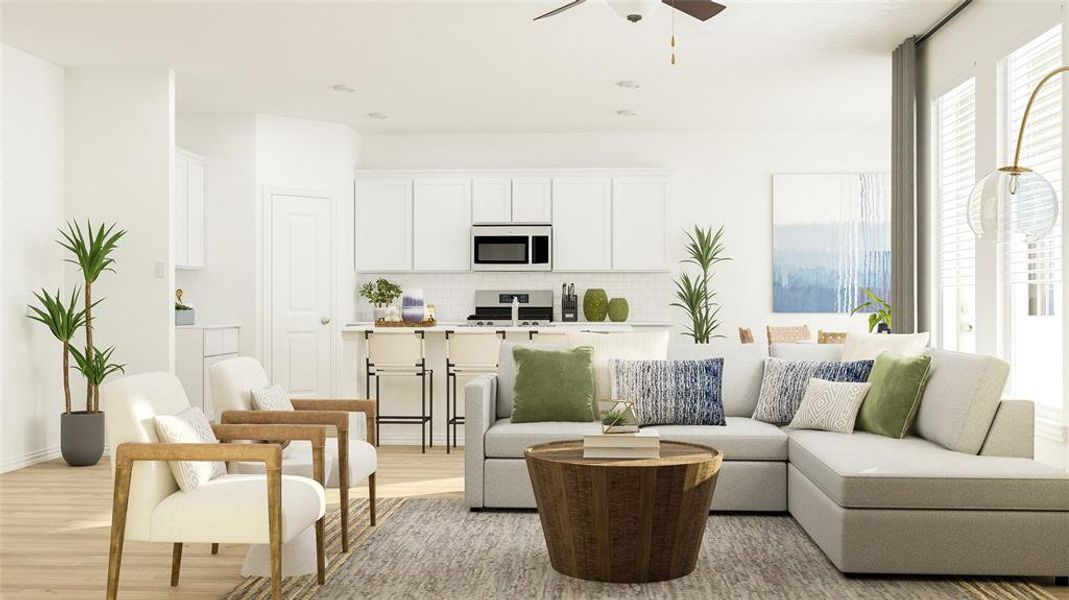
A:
[380,293]
[183,313]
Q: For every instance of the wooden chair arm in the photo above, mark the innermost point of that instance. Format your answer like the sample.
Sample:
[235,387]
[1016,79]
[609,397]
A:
[129,452]
[271,433]
[343,404]
[340,420]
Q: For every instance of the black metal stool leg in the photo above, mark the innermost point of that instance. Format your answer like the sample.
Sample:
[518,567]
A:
[455,417]
[431,403]
[447,413]
[423,413]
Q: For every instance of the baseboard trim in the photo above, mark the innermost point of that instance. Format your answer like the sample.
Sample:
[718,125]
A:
[29,459]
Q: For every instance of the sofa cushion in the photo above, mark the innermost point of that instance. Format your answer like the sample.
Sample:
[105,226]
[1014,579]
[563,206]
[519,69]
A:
[865,470]
[744,364]
[506,439]
[553,385]
[785,381]
[867,346]
[961,399]
[896,387]
[651,345]
[821,352]
[740,439]
[671,392]
[506,373]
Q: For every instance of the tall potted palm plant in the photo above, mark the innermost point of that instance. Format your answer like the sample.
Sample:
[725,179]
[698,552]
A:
[695,294]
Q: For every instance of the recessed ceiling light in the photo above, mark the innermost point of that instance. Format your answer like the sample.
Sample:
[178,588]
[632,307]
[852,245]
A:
[343,87]
[629,84]
[626,112]
[377,115]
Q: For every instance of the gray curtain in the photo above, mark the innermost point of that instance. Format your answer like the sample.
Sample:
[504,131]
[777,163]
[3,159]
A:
[903,186]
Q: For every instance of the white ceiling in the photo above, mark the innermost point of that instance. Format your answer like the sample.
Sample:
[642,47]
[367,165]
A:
[448,66]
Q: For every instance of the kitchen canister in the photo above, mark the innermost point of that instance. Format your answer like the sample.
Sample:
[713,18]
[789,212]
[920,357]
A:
[595,304]
[412,309]
[618,310]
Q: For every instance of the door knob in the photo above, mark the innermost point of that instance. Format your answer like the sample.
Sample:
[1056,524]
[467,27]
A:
[324,320]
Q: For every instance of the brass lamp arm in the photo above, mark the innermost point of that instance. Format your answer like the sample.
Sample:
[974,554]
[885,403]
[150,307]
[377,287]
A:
[1028,108]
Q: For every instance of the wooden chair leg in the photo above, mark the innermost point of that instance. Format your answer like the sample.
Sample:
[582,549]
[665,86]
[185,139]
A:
[371,496]
[274,524]
[343,485]
[215,548]
[321,559]
[119,503]
[176,563]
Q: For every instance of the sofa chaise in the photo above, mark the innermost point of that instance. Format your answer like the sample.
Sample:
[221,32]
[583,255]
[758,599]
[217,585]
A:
[872,504]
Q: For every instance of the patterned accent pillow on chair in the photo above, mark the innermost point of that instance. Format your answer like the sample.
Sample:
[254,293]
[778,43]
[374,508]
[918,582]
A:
[189,427]
[830,405]
[271,398]
[671,392]
[785,382]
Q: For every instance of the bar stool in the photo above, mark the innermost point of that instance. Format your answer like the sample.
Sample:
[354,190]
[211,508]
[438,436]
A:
[400,354]
[466,352]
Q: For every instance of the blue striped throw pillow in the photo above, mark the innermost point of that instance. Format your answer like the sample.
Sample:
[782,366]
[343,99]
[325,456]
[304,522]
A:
[671,392]
[785,381]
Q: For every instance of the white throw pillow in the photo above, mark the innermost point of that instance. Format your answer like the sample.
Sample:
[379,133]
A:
[830,405]
[189,427]
[624,346]
[271,398]
[867,346]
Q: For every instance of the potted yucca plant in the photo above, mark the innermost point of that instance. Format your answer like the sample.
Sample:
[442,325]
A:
[81,431]
[695,294]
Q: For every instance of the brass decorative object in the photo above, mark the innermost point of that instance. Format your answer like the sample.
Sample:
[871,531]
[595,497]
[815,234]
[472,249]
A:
[621,417]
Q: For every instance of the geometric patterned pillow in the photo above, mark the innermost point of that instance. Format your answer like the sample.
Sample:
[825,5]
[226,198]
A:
[271,398]
[830,405]
[785,381]
[189,427]
[671,392]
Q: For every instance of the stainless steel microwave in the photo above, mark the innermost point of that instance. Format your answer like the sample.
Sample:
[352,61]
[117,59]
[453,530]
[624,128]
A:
[511,248]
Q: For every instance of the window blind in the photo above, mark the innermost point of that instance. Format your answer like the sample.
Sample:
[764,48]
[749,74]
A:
[955,177]
[1038,263]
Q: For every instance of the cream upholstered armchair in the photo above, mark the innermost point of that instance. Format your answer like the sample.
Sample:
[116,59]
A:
[242,509]
[348,458]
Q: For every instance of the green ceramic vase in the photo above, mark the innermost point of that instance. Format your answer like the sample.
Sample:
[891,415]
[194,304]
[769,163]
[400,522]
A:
[595,304]
[618,310]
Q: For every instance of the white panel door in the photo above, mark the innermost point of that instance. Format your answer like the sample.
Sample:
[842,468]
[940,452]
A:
[639,223]
[582,214]
[491,200]
[442,225]
[181,210]
[196,214]
[531,200]
[300,294]
[383,225]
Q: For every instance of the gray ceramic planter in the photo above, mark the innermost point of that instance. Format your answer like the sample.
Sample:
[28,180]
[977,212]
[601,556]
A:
[81,438]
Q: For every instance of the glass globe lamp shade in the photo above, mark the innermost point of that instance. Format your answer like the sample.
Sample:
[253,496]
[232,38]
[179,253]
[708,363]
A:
[626,8]
[1012,203]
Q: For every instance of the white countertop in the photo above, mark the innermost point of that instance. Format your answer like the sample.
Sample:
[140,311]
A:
[444,326]
[209,326]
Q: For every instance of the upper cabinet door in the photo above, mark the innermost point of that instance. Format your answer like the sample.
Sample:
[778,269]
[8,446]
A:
[442,225]
[383,236]
[581,224]
[639,223]
[531,200]
[491,200]
[196,214]
[181,211]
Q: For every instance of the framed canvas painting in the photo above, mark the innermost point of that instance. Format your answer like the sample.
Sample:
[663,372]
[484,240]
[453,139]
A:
[831,239]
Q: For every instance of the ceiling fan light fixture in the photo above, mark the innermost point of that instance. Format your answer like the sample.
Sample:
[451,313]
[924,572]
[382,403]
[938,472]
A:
[633,10]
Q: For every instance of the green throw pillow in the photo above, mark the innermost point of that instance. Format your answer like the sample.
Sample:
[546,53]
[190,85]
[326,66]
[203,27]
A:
[896,385]
[553,385]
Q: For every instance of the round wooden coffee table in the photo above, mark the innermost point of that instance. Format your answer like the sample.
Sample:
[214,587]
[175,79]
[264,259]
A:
[623,521]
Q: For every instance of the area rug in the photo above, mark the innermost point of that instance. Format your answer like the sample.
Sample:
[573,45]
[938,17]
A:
[436,548]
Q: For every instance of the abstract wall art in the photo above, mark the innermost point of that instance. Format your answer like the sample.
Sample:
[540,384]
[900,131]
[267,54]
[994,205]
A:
[831,239]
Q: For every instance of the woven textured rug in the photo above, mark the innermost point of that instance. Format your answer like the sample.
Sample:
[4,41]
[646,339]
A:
[436,548]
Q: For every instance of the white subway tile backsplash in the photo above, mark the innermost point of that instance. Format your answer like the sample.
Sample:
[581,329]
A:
[648,294]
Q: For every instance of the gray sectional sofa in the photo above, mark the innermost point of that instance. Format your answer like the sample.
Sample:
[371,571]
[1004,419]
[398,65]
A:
[873,504]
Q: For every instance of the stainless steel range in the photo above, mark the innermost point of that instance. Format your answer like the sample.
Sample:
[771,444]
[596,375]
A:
[494,308]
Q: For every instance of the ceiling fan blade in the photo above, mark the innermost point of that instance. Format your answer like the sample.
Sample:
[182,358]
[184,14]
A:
[703,10]
[557,11]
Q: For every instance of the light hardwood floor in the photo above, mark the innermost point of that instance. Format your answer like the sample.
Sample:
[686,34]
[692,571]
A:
[54,523]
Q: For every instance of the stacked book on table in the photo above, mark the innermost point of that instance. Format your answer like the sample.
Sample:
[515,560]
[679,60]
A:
[641,444]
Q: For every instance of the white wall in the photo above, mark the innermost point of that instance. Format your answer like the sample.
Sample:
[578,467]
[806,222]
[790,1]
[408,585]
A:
[720,178]
[119,167]
[223,291]
[33,163]
[313,156]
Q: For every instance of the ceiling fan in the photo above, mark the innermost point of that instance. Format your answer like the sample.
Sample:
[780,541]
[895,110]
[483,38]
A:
[632,10]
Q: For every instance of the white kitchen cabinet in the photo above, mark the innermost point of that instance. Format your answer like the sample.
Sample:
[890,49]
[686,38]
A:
[640,223]
[582,220]
[196,349]
[442,225]
[383,237]
[532,200]
[491,200]
[188,210]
